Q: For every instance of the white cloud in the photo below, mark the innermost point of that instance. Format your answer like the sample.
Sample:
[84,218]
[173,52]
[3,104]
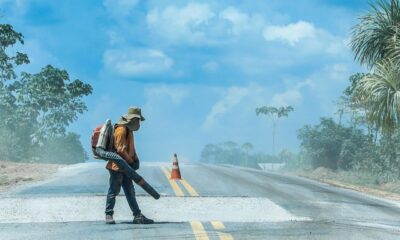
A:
[115,38]
[163,104]
[210,66]
[307,39]
[231,98]
[120,8]
[292,33]
[181,24]
[13,9]
[199,24]
[135,62]
[289,97]
[175,94]
[240,21]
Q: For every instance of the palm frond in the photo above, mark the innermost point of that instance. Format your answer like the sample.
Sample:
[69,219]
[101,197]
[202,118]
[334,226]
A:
[381,92]
[376,33]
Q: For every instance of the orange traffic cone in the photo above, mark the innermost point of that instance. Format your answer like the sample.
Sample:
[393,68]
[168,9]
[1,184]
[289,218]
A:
[175,173]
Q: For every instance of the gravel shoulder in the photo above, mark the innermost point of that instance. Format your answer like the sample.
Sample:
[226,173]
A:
[13,174]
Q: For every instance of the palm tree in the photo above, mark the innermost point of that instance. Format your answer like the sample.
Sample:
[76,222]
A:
[376,36]
[381,91]
[375,43]
[274,114]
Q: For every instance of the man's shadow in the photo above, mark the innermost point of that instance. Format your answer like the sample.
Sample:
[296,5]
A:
[161,222]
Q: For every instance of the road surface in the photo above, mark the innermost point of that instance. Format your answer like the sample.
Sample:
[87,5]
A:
[211,202]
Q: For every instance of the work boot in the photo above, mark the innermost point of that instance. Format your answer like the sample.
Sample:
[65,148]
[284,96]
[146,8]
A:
[110,219]
[141,219]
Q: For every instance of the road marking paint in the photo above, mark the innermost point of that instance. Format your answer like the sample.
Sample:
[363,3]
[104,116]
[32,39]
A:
[218,225]
[189,188]
[199,231]
[178,191]
[225,236]
[192,192]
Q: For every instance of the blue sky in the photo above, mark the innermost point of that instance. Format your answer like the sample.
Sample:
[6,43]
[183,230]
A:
[198,69]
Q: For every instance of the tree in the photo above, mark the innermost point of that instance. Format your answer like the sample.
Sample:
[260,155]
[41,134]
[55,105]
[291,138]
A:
[36,108]
[389,157]
[380,90]
[274,114]
[331,145]
[352,102]
[247,147]
[285,156]
[65,149]
[230,152]
[8,62]
[50,101]
[376,36]
[375,44]
[8,38]
[209,153]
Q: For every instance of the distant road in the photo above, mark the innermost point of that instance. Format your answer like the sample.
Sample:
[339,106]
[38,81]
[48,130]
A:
[211,202]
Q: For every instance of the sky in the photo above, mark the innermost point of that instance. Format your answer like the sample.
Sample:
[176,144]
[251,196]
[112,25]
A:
[198,69]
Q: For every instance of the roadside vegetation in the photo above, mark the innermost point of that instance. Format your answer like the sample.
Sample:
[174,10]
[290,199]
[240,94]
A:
[37,108]
[230,152]
[234,153]
[362,146]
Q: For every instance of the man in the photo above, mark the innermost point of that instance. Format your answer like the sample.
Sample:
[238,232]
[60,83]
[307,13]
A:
[124,147]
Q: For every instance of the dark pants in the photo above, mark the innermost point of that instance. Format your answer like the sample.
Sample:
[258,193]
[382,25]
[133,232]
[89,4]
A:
[118,179]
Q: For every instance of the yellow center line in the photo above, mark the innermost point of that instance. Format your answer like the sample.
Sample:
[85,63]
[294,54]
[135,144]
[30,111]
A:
[178,191]
[199,231]
[218,225]
[225,236]
[189,188]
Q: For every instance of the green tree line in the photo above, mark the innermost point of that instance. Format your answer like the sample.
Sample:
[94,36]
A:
[369,141]
[37,108]
[230,152]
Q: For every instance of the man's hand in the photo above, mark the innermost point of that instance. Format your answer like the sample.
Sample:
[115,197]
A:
[135,164]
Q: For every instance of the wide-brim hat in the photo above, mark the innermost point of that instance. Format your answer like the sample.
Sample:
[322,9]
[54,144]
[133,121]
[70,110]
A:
[134,112]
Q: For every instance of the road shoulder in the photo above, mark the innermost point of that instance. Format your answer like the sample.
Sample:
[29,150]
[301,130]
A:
[13,174]
[335,180]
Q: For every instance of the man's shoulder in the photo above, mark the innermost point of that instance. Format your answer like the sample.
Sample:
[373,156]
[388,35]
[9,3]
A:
[120,130]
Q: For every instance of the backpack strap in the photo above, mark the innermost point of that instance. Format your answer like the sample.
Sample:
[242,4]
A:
[127,133]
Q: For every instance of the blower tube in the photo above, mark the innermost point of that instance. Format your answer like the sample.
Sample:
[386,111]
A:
[128,171]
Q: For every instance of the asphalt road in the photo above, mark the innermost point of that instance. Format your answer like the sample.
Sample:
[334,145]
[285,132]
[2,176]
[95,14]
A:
[211,202]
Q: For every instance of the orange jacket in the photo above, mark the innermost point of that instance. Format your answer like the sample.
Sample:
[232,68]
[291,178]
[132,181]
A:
[124,146]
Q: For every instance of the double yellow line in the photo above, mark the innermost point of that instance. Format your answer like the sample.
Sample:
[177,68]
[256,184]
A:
[174,184]
[201,234]
[197,227]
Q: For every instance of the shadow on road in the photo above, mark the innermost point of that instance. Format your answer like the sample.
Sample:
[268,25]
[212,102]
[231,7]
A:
[130,222]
